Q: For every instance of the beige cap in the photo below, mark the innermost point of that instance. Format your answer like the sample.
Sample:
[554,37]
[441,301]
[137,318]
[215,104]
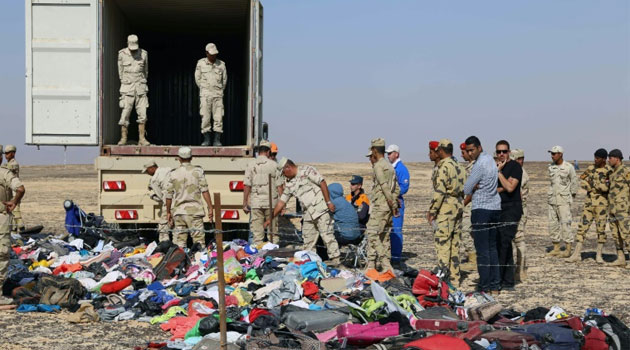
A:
[282,163]
[556,149]
[9,148]
[185,152]
[132,42]
[148,164]
[379,142]
[392,148]
[265,143]
[444,143]
[517,153]
[369,154]
[212,49]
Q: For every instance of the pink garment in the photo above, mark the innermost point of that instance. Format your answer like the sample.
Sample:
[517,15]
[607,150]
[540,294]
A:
[179,326]
[170,303]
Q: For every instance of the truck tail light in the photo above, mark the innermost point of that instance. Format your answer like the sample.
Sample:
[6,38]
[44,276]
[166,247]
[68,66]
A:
[236,186]
[114,186]
[229,214]
[126,215]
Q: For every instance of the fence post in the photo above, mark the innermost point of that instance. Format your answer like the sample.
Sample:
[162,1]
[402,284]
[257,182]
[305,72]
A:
[219,239]
[270,231]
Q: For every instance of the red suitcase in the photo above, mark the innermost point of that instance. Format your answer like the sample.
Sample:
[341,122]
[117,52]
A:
[366,334]
[446,325]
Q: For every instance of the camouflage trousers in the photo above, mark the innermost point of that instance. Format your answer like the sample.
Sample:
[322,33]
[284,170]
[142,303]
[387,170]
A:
[211,107]
[377,231]
[519,244]
[5,245]
[127,102]
[447,243]
[466,239]
[322,226]
[163,229]
[591,213]
[620,226]
[185,224]
[17,223]
[259,216]
[560,223]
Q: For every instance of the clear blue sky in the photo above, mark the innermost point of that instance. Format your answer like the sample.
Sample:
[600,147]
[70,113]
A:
[339,73]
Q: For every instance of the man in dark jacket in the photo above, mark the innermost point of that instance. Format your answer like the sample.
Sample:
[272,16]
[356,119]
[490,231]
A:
[359,200]
[346,219]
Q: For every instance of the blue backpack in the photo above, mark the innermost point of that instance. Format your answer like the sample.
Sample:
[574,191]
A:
[553,336]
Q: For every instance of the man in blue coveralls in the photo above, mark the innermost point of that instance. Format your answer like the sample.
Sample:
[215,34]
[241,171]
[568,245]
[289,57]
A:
[402,175]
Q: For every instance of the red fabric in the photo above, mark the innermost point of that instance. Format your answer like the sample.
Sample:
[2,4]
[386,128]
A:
[231,300]
[255,313]
[462,146]
[433,145]
[429,289]
[179,326]
[115,287]
[595,339]
[170,303]
[438,342]
[17,250]
[63,268]
[310,290]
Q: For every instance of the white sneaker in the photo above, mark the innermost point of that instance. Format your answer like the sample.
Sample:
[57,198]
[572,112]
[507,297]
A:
[5,301]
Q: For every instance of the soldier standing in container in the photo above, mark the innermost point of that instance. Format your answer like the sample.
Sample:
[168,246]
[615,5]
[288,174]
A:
[187,185]
[562,189]
[157,191]
[211,78]
[133,71]
[14,167]
[257,184]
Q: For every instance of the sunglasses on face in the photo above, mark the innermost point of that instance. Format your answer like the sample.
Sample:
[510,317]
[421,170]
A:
[499,151]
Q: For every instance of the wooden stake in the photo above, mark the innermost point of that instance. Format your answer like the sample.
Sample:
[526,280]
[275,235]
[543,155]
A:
[219,239]
[270,231]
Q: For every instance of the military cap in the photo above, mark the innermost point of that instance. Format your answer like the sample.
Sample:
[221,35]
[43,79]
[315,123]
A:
[185,152]
[9,148]
[517,153]
[369,153]
[282,163]
[274,147]
[433,145]
[556,149]
[616,153]
[356,179]
[462,146]
[212,49]
[148,164]
[601,153]
[265,143]
[132,42]
[444,143]
[379,142]
[392,148]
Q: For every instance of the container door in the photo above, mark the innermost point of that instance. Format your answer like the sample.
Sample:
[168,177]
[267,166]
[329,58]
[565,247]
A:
[62,72]
[256,81]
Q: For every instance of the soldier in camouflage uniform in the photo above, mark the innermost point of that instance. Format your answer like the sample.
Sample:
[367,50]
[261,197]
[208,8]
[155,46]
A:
[562,189]
[9,153]
[309,187]
[187,185]
[595,180]
[466,236]
[518,155]
[257,184]
[11,193]
[619,204]
[433,156]
[384,192]
[211,78]
[446,209]
[157,191]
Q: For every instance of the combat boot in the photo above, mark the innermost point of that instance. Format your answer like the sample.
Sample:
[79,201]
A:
[621,259]
[217,139]
[567,251]
[142,141]
[556,250]
[124,131]
[371,265]
[206,139]
[577,253]
[471,265]
[386,266]
[598,256]
[333,262]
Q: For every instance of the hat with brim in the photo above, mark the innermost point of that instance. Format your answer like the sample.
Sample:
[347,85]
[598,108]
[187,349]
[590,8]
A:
[147,165]
[132,42]
[282,163]
[9,148]
[212,49]
[184,152]
[556,149]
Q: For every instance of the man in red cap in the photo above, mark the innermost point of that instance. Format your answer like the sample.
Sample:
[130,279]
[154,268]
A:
[466,237]
[433,156]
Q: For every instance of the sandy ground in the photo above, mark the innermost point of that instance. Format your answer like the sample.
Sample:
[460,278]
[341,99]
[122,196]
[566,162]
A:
[573,286]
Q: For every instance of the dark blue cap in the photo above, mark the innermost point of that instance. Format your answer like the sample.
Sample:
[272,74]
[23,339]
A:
[356,179]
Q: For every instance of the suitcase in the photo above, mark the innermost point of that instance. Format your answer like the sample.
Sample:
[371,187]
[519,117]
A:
[484,311]
[438,342]
[366,334]
[553,336]
[509,340]
[314,320]
[447,325]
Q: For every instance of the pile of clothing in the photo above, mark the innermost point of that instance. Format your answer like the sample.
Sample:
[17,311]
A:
[281,298]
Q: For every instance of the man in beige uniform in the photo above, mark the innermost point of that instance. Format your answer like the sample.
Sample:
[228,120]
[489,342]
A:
[187,185]
[562,189]
[157,191]
[133,71]
[257,184]
[309,187]
[384,192]
[211,78]
[520,274]
[12,164]
[619,204]
[466,236]
[11,193]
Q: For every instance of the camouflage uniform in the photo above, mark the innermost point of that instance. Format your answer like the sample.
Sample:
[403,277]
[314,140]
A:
[211,79]
[595,181]
[18,222]
[9,183]
[185,188]
[257,177]
[519,239]
[384,188]
[563,186]
[133,71]
[317,219]
[466,236]
[157,191]
[446,206]
[619,205]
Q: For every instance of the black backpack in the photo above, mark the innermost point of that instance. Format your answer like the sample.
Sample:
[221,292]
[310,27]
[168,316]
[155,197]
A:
[619,329]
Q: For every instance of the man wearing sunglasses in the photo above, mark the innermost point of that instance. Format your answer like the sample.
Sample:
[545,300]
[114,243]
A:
[562,190]
[509,188]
